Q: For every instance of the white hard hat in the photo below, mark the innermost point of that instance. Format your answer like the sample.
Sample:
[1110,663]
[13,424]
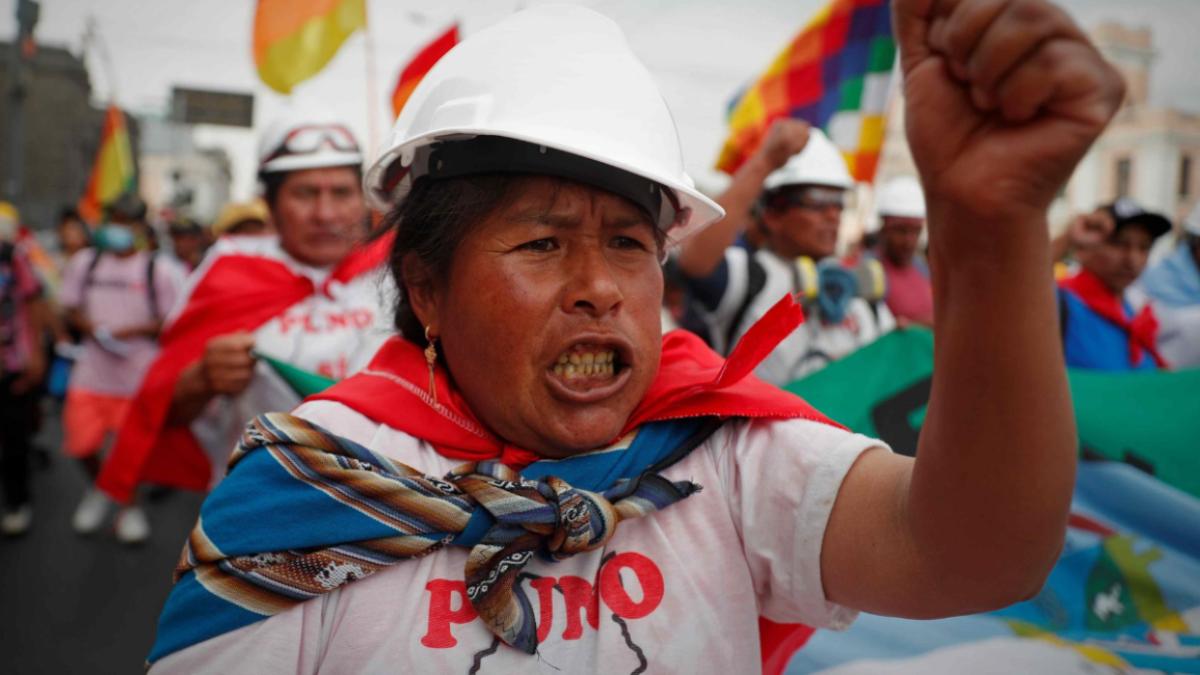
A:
[819,163]
[1191,224]
[307,139]
[901,197]
[561,80]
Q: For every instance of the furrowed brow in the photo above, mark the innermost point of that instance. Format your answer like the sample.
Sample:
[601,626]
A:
[543,217]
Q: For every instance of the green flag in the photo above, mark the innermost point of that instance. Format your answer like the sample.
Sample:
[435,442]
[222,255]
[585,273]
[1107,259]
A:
[303,382]
[1148,419]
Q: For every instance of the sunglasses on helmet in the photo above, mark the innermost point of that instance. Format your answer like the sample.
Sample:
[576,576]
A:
[307,139]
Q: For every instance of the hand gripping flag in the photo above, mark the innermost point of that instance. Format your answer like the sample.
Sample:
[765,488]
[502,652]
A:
[113,170]
[236,290]
[421,64]
[294,39]
[835,75]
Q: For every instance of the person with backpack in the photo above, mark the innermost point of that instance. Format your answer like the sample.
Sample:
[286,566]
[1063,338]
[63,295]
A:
[116,296]
[792,191]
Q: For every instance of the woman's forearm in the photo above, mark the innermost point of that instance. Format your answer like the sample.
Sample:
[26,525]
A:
[995,463]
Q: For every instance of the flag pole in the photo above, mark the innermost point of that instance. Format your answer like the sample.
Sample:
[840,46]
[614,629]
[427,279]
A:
[372,88]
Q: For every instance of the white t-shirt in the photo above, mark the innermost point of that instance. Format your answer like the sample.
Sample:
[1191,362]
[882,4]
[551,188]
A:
[811,346]
[333,332]
[679,590]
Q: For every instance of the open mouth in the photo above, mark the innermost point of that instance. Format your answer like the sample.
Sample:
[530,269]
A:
[589,371]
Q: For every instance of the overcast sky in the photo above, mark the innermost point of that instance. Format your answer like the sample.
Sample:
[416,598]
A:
[701,51]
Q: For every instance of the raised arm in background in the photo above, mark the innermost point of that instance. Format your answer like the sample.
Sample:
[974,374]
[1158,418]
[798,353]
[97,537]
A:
[700,254]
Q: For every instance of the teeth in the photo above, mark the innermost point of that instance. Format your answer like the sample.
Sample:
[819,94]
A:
[585,364]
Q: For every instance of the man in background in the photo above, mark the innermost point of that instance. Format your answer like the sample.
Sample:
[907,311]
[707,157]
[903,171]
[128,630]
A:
[1102,329]
[116,296]
[793,190]
[901,208]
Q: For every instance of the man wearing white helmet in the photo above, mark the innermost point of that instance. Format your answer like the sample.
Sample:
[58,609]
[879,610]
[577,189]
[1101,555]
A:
[792,190]
[901,208]
[306,296]
[511,485]
[1173,286]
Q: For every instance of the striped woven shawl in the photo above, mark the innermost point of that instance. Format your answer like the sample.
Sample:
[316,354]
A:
[303,512]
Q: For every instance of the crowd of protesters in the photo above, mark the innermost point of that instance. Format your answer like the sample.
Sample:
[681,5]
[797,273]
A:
[83,319]
[162,337]
[100,297]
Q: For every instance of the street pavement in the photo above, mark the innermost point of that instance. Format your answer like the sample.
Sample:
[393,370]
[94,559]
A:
[72,604]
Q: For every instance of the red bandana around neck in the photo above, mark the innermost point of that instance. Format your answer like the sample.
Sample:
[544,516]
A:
[692,381]
[1142,328]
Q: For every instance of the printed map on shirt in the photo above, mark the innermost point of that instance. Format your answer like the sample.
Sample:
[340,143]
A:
[115,298]
[333,332]
[678,591]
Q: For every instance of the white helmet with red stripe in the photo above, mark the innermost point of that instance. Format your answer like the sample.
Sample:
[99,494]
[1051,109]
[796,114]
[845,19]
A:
[553,89]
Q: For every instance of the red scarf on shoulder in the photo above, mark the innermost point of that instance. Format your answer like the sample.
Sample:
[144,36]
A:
[237,292]
[1142,328]
[692,381]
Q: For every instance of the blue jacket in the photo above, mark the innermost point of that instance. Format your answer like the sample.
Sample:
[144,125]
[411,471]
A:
[1093,342]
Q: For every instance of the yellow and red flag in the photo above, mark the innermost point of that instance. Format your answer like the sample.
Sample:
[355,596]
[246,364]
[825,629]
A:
[294,39]
[835,75]
[420,64]
[113,171]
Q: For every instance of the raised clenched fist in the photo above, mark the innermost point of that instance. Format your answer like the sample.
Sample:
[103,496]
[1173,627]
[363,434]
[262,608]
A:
[1003,98]
[786,137]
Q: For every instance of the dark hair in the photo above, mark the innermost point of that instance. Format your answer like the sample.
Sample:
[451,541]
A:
[272,182]
[432,221]
[69,213]
[429,224]
[127,208]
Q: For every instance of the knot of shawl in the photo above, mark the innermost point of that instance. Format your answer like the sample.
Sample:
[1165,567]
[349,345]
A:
[546,516]
[563,519]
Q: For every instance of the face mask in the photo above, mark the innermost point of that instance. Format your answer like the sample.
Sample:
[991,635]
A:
[115,238]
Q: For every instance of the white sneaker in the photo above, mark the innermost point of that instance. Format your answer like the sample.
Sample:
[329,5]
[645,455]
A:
[17,521]
[91,512]
[132,525]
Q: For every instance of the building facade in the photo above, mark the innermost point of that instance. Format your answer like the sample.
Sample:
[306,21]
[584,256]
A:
[61,133]
[1149,153]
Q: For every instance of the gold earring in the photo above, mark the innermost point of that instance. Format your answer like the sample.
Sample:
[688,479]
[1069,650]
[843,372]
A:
[430,359]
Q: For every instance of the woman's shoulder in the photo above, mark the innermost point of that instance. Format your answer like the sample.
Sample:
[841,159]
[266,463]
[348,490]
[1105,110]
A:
[745,437]
[342,420]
